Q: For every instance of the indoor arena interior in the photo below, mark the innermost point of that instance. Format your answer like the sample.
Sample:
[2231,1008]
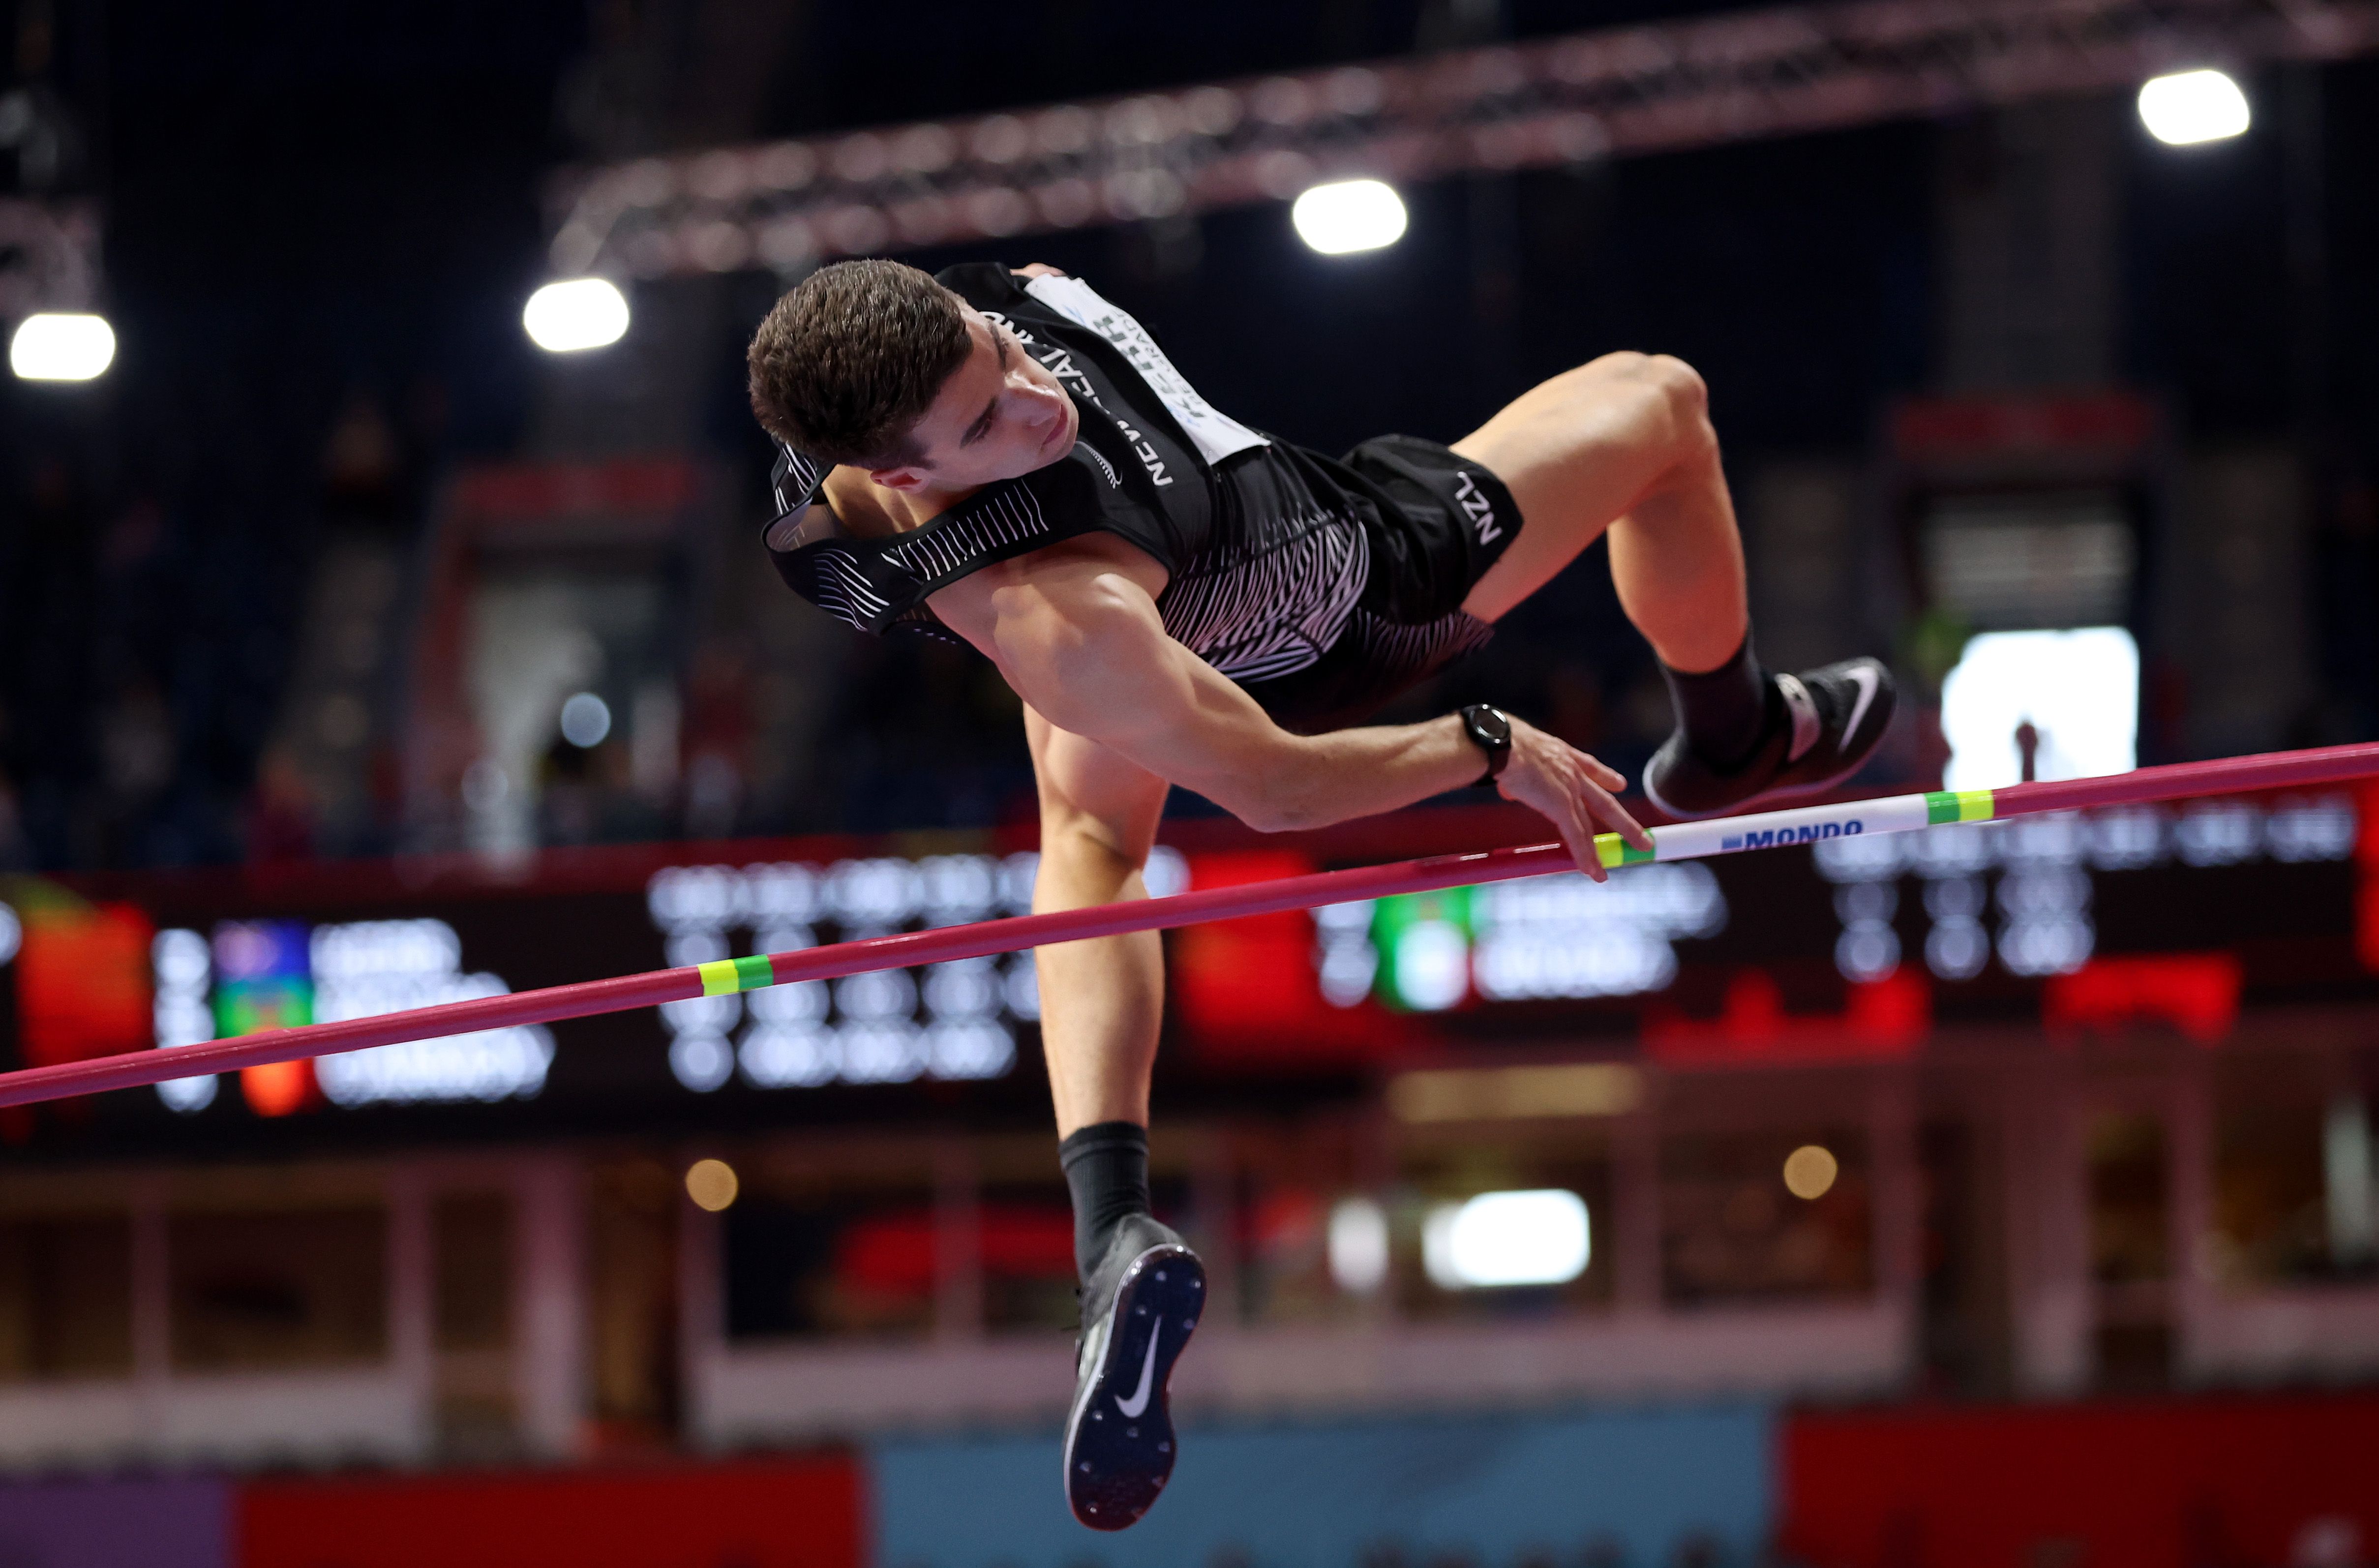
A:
[636,634]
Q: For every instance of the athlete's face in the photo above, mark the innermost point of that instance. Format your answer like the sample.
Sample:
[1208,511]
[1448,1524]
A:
[999,415]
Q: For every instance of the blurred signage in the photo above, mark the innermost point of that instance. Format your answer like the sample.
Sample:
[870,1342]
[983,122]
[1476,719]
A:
[1345,982]
[1919,921]
[2021,893]
[278,973]
[1935,429]
[953,1022]
[1549,937]
[2178,919]
[82,989]
[1244,990]
[2366,904]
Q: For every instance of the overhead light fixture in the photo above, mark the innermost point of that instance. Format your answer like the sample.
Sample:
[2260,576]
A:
[1506,1238]
[1359,1246]
[1809,1172]
[576,314]
[585,721]
[1345,216]
[2189,107]
[2077,693]
[56,346]
[711,1184]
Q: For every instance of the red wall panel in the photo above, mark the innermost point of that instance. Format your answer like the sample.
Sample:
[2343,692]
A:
[2204,1483]
[804,1513]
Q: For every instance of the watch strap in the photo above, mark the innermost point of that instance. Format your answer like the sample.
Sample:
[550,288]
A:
[1490,729]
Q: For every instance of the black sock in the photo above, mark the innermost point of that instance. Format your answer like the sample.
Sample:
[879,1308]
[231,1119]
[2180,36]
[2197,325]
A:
[1724,711]
[1106,1170]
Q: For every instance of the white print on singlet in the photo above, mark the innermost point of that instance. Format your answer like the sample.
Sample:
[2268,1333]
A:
[1264,607]
[1059,362]
[1216,435]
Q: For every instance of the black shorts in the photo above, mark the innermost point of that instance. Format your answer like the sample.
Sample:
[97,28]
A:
[1435,521]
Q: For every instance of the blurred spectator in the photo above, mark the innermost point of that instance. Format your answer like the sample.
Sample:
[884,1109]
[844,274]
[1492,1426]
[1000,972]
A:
[12,827]
[12,835]
[587,795]
[282,812]
[362,466]
[922,734]
[133,539]
[718,740]
[137,749]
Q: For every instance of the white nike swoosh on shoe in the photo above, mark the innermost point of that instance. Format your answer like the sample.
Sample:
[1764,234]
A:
[1138,1400]
[1868,681]
[1807,727]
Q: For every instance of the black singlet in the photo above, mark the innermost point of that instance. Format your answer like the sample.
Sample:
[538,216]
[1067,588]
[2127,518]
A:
[1274,554]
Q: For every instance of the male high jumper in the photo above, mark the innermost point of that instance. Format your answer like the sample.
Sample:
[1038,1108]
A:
[1007,460]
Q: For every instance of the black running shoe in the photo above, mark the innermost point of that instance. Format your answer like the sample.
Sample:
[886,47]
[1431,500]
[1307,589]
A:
[1822,726]
[1138,1311]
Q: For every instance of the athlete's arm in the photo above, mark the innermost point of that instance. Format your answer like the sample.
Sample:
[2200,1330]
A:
[1081,642]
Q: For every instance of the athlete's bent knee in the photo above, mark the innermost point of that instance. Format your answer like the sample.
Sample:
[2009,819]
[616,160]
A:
[1671,393]
[1681,385]
[1682,405]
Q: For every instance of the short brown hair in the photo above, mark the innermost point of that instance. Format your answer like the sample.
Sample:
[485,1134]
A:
[848,362]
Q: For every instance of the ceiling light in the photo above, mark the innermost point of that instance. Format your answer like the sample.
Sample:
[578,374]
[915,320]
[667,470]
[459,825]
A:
[2077,691]
[1506,1238]
[60,346]
[2192,106]
[578,313]
[1349,215]
[1359,1246]
[586,719]
[1809,1171]
[711,1184]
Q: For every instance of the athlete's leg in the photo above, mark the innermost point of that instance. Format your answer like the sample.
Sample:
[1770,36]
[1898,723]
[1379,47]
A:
[1101,999]
[1623,444]
[1143,1290]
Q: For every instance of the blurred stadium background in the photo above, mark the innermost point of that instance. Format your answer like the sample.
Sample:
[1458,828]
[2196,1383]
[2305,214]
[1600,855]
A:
[2001,1197]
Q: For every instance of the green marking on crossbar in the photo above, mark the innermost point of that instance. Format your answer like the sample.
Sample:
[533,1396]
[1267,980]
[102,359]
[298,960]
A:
[1959,805]
[1614,851]
[722,977]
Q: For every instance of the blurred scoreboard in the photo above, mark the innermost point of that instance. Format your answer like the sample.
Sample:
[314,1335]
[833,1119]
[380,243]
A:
[174,961]
[952,1022]
[2166,917]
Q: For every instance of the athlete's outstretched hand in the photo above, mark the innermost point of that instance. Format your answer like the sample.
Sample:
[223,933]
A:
[1570,789]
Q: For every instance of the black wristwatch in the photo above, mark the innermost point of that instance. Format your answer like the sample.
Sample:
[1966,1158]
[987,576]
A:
[1492,732]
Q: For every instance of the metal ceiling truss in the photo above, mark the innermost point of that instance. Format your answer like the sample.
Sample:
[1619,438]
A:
[787,205]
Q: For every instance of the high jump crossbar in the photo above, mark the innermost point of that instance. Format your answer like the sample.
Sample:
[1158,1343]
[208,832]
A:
[1685,840]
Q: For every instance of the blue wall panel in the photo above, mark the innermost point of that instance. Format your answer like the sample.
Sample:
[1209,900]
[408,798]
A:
[1492,1488]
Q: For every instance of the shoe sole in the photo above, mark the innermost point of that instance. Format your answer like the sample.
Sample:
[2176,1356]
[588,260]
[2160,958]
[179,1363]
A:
[1881,714]
[1117,1462]
[1766,796]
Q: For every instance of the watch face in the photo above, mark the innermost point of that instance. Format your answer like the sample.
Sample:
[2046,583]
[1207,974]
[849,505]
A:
[1489,724]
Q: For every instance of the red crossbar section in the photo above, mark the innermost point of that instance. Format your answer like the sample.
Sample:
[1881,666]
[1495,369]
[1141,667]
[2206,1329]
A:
[2275,770]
